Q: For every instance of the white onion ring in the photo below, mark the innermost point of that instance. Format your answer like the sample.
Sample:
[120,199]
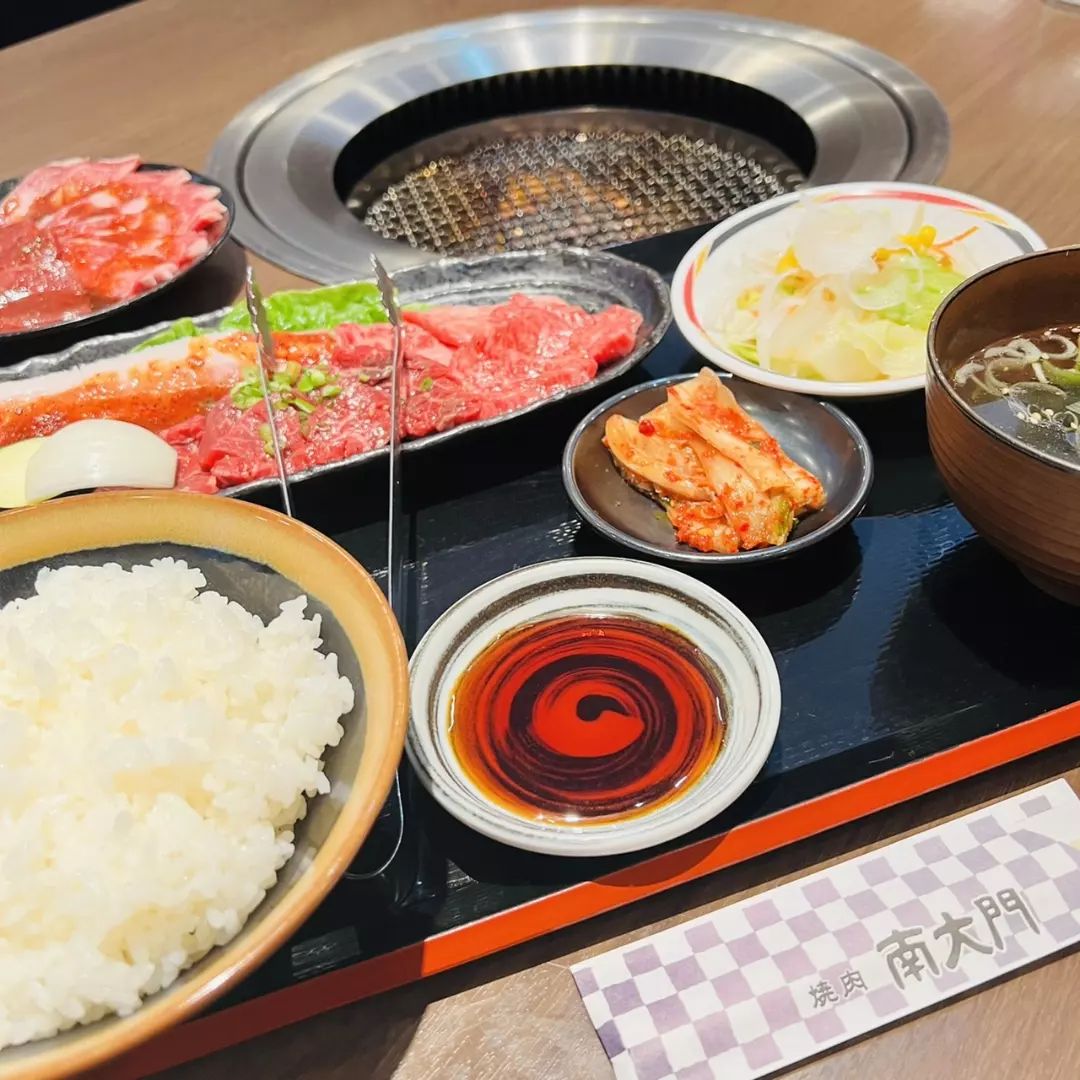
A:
[99,453]
[965,371]
[1067,353]
[1018,348]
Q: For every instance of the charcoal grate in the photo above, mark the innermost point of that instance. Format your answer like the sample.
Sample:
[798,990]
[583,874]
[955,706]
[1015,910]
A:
[574,184]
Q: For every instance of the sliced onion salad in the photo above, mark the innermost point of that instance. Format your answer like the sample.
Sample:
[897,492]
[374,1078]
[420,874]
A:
[840,239]
[84,455]
[886,286]
[849,299]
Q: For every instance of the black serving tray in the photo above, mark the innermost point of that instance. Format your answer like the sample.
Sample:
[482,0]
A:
[902,636]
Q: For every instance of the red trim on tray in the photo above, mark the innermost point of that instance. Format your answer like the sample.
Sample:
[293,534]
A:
[208,1034]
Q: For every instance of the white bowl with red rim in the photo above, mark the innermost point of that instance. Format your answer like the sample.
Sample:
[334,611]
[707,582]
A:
[697,286]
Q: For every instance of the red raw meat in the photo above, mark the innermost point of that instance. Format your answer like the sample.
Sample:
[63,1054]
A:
[190,475]
[232,435]
[423,349]
[525,352]
[52,186]
[542,327]
[511,369]
[439,410]
[187,431]
[116,232]
[610,335]
[227,445]
[369,346]
[184,438]
[197,205]
[364,348]
[453,326]
[437,400]
[234,451]
[518,353]
[129,235]
[36,287]
[354,423]
[499,402]
[119,231]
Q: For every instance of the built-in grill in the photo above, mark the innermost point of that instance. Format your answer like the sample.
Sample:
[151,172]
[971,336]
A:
[586,127]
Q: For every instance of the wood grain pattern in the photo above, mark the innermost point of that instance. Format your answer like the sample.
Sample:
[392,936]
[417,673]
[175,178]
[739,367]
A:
[164,76]
[517,1016]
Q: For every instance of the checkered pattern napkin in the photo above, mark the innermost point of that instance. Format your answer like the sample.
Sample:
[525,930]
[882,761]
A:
[755,987]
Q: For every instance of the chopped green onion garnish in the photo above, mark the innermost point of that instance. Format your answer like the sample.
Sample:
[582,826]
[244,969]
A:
[427,384]
[293,371]
[267,437]
[331,391]
[312,379]
[303,405]
[244,395]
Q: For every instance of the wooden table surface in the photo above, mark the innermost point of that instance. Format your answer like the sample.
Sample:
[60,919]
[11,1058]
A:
[164,76]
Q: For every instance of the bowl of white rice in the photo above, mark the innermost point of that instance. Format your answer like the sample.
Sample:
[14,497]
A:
[202,707]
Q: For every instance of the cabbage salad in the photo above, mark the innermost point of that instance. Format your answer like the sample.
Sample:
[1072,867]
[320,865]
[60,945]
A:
[849,300]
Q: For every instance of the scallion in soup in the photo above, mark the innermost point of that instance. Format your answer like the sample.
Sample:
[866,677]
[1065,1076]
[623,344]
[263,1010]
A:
[1029,387]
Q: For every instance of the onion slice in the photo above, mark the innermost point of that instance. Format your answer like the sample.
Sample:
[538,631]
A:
[1017,349]
[834,238]
[966,371]
[14,460]
[99,453]
[1068,348]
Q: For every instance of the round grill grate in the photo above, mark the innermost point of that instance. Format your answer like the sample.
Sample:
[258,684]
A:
[585,186]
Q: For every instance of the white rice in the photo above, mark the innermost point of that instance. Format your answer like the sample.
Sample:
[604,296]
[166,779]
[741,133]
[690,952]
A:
[156,747]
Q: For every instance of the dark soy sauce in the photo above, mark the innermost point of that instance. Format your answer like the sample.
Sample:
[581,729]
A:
[587,718]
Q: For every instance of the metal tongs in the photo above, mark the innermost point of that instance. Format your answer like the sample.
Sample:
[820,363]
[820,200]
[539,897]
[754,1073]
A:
[260,326]
[395,560]
[395,552]
[394,542]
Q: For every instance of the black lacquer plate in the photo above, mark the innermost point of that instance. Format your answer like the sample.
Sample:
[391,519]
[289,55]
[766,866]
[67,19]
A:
[897,637]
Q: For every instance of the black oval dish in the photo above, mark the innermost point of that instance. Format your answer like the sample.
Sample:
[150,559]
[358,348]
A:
[126,315]
[816,435]
[591,279]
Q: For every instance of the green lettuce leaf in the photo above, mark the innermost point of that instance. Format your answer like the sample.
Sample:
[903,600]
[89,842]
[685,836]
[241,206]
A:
[182,328]
[294,311]
[746,350]
[918,307]
[314,309]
